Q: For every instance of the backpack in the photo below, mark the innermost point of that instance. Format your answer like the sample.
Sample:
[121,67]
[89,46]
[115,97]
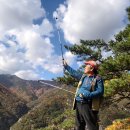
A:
[96,102]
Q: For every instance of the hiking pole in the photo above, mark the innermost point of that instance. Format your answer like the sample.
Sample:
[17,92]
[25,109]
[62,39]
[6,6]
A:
[61,46]
[56,87]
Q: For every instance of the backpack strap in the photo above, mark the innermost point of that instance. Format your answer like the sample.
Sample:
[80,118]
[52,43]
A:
[96,102]
[93,83]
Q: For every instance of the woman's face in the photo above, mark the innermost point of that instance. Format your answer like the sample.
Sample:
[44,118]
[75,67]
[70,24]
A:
[88,69]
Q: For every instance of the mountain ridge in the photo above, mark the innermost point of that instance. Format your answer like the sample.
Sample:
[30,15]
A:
[27,89]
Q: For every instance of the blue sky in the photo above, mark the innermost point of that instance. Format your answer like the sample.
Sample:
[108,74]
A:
[29,45]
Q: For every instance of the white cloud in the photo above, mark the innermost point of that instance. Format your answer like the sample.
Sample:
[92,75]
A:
[45,28]
[25,46]
[69,57]
[11,60]
[54,64]
[91,19]
[36,46]
[59,13]
[18,14]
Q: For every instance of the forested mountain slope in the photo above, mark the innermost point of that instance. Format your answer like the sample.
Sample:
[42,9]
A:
[27,89]
[11,108]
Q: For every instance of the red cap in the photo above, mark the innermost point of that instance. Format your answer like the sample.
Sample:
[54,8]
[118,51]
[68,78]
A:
[92,63]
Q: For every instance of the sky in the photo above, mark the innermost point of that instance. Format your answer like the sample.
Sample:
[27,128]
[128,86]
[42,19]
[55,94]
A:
[29,40]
